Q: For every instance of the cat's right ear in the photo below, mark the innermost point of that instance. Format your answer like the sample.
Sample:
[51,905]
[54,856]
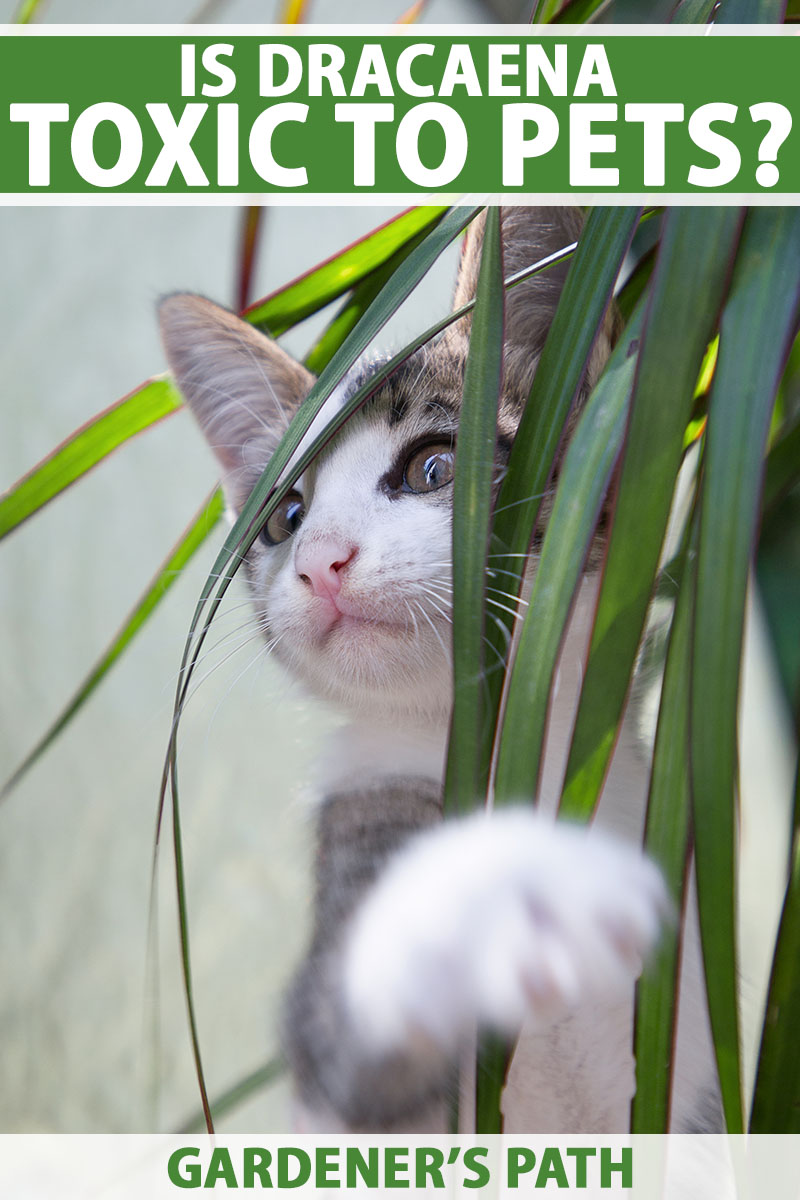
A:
[242,388]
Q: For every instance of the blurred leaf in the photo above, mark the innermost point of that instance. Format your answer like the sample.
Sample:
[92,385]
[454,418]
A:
[750,12]
[667,843]
[583,480]
[338,274]
[85,448]
[687,288]
[776,1102]
[190,541]
[579,12]
[694,12]
[472,500]
[756,330]
[574,12]
[292,12]
[251,220]
[26,11]
[412,14]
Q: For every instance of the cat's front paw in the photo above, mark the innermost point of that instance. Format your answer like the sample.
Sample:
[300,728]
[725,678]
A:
[491,918]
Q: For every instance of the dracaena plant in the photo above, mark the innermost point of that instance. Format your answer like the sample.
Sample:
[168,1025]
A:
[699,369]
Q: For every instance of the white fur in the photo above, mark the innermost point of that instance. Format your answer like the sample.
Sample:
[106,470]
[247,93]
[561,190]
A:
[494,917]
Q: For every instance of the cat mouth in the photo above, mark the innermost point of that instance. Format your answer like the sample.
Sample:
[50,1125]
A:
[342,616]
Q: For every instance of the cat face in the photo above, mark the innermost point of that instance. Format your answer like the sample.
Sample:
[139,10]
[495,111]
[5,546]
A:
[351,578]
[352,575]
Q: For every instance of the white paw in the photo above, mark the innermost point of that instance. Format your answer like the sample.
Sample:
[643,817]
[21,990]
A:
[491,918]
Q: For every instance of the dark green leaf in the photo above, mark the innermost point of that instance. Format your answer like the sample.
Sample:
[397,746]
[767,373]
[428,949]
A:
[687,287]
[783,467]
[776,1102]
[693,12]
[559,375]
[583,480]
[472,500]
[756,331]
[750,12]
[667,843]
[578,12]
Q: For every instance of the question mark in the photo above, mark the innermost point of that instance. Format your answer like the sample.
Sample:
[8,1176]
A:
[780,125]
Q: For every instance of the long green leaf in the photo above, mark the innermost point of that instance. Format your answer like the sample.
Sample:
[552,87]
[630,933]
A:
[158,398]
[686,293]
[559,375]
[188,544]
[585,297]
[583,480]
[331,279]
[756,331]
[472,504]
[472,501]
[667,843]
[776,1101]
[84,449]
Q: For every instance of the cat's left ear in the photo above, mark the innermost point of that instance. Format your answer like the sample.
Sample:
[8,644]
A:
[242,388]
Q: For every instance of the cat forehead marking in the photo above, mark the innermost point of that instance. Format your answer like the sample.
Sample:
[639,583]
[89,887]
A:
[414,401]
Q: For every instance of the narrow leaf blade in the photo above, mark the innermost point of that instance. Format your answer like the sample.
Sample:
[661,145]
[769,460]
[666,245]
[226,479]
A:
[667,843]
[686,292]
[756,329]
[559,375]
[584,477]
[471,513]
[776,1101]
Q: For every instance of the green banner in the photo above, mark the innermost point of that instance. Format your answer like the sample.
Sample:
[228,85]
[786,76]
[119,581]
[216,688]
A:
[660,113]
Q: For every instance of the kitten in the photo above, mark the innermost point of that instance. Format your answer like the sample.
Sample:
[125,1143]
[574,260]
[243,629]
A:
[425,930]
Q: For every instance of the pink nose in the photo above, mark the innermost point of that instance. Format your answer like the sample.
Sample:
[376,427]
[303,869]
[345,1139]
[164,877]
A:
[320,564]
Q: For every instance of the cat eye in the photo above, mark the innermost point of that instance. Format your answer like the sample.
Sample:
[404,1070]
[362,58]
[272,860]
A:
[429,468]
[285,519]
